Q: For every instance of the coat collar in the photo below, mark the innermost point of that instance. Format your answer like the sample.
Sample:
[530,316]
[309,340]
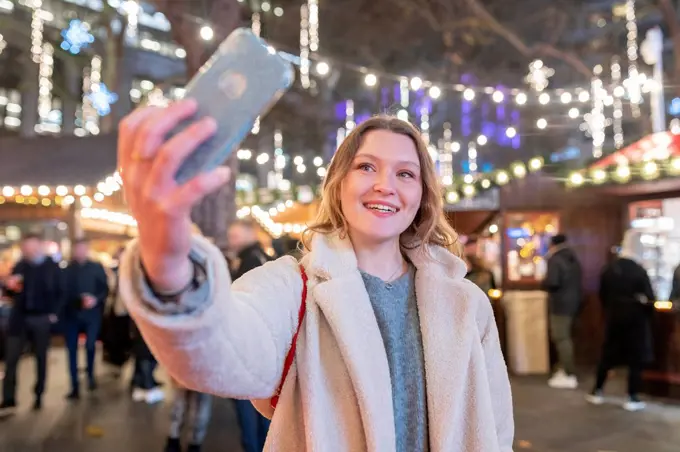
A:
[446,316]
[332,256]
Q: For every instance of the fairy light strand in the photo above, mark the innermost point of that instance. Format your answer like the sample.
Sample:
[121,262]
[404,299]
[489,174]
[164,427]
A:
[446,156]
[36,31]
[634,91]
[617,112]
[313,6]
[349,116]
[304,47]
[45,84]
[597,118]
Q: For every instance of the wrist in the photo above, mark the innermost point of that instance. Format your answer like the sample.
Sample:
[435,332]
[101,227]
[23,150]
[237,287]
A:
[168,277]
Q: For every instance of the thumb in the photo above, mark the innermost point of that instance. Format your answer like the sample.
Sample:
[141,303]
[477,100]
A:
[200,186]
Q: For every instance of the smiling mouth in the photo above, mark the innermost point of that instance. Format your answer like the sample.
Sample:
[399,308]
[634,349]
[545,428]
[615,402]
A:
[381,208]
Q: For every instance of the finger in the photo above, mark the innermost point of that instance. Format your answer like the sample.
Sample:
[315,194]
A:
[197,188]
[154,128]
[176,149]
[126,134]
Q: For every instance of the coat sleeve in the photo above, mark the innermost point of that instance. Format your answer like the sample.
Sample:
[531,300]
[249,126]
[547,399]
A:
[551,282]
[222,339]
[499,382]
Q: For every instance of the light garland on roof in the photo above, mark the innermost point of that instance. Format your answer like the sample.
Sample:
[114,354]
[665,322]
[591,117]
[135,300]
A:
[62,195]
[265,219]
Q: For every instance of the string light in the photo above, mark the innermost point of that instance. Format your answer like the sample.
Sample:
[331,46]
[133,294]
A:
[596,121]
[472,157]
[539,75]
[446,156]
[349,116]
[36,30]
[45,85]
[617,105]
[313,6]
[304,46]
[131,9]
[404,92]
[425,124]
[91,84]
[3,44]
[634,92]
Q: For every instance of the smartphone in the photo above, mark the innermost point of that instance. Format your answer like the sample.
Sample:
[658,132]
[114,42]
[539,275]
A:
[241,81]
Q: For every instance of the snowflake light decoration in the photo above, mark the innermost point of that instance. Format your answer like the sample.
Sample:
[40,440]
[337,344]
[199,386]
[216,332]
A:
[101,99]
[538,75]
[76,37]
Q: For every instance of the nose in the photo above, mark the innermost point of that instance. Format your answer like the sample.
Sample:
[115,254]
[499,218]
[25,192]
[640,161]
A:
[384,183]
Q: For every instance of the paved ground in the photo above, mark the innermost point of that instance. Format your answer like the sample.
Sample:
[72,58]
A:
[108,421]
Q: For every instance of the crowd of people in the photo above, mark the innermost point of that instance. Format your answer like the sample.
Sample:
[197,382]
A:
[80,298]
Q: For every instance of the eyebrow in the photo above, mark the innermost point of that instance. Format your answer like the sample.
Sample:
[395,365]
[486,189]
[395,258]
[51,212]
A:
[378,159]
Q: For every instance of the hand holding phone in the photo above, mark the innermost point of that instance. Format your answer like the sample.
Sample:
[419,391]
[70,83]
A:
[170,157]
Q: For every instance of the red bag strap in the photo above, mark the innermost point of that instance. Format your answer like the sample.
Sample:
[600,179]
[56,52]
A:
[291,352]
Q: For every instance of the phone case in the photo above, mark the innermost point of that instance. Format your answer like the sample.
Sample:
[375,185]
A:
[241,81]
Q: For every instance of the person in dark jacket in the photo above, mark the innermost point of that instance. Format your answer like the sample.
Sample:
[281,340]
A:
[478,272]
[563,284]
[674,296]
[86,290]
[628,301]
[36,289]
[246,254]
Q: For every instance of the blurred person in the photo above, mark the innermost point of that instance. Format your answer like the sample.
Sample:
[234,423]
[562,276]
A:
[116,334]
[36,289]
[378,299]
[563,284]
[247,254]
[189,409]
[628,301]
[86,291]
[144,386]
[674,296]
[478,272]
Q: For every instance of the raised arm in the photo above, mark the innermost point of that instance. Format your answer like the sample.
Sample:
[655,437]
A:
[222,339]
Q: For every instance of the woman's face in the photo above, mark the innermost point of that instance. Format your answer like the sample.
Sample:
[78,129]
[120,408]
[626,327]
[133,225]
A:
[382,191]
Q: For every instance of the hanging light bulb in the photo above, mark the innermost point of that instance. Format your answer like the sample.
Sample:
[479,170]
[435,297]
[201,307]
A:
[521,99]
[370,80]
[416,83]
[435,92]
[207,33]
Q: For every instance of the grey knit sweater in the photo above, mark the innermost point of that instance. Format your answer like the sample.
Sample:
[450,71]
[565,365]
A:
[396,311]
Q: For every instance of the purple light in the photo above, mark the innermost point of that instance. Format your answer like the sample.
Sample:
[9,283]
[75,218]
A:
[515,121]
[341,111]
[384,99]
[466,109]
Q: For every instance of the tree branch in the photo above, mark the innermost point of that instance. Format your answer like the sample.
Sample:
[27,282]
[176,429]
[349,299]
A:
[539,49]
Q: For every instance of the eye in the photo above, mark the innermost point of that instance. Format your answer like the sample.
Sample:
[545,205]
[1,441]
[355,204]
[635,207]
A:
[365,167]
[407,174]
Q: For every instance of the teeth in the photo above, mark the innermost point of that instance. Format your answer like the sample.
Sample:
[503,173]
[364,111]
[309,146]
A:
[381,208]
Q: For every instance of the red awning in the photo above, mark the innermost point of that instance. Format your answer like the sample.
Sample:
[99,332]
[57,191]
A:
[657,146]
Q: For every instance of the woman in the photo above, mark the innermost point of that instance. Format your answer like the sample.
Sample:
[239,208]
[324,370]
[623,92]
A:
[397,351]
[628,300]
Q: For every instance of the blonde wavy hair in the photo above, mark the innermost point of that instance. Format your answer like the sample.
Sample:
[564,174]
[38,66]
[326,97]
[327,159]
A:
[429,227]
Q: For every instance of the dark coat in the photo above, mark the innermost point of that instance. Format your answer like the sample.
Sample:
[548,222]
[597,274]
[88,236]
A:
[88,277]
[628,301]
[563,283]
[248,259]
